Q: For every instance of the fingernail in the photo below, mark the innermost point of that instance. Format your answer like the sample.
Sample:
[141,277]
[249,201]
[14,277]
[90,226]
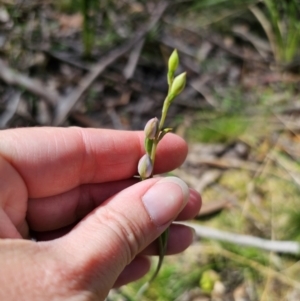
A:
[194,234]
[166,199]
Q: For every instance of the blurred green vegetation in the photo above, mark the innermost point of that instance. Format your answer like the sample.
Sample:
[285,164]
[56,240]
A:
[170,282]
[226,128]
[279,20]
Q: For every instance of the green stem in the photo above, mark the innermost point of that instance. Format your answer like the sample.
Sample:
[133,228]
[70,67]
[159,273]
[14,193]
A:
[153,151]
[162,242]
[164,113]
[160,127]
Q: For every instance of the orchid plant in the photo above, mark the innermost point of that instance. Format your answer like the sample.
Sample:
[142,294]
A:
[154,132]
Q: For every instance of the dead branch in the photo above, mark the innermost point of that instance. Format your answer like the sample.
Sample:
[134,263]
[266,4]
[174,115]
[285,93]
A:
[222,163]
[133,59]
[14,78]
[10,109]
[287,247]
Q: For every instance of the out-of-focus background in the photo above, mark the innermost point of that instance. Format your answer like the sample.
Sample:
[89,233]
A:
[103,64]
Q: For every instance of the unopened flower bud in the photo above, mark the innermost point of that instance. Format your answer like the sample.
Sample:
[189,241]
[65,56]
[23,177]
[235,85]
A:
[172,65]
[151,128]
[173,61]
[177,85]
[145,167]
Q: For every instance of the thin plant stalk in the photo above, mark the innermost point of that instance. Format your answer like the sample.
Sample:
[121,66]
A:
[154,132]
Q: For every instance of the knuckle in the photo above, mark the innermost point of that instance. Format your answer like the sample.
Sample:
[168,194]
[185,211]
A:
[125,232]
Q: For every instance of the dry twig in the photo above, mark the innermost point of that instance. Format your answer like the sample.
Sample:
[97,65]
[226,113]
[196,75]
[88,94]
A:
[10,109]
[288,247]
[34,86]
[133,59]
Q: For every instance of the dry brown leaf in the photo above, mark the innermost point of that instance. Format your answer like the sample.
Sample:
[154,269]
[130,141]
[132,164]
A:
[69,23]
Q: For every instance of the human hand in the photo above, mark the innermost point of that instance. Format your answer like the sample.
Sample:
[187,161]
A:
[94,223]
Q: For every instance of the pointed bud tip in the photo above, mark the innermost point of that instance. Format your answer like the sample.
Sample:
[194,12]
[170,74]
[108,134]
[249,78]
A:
[173,61]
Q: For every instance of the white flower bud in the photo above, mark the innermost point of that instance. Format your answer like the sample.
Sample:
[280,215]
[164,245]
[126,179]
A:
[145,167]
[151,128]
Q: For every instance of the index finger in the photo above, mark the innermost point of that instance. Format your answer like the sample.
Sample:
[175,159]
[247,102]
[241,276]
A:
[55,160]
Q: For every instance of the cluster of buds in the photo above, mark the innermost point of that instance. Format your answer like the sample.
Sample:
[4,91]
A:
[154,130]
[145,166]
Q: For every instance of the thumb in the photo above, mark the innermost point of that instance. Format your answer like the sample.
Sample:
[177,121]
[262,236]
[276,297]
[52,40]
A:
[109,238]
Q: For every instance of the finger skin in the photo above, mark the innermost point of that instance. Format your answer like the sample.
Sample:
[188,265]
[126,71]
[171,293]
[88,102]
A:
[102,251]
[53,213]
[55,160]
[180,238]
[192,208]
[135,270]
[31,271]
[13,202]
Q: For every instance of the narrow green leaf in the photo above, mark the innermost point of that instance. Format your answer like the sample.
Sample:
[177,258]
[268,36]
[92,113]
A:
[164,132]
